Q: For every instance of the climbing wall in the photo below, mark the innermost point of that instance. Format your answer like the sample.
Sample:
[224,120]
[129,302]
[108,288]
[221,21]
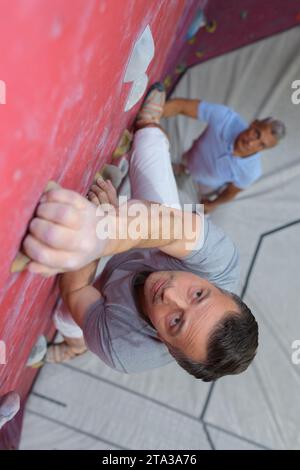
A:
[229,25]
[72,77]
[69,72]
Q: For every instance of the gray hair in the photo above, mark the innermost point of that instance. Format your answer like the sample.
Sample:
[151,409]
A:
[277,127]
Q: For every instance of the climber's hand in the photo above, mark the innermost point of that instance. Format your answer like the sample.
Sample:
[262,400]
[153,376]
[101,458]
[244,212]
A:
[62,235]
[103,192]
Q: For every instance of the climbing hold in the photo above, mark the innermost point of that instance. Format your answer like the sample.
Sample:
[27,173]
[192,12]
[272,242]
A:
[37,353]
[211,26]
[51,185]
[244,14]
[20,262]
[180,68]
[124,144]
[192,40]
[197,23]
[168,81]
[114,173]
[37,365]
[9,407]
[199,54]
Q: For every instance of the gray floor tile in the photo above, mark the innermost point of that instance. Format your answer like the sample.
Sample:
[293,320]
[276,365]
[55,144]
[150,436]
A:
[113,415]
[40,433]
[224,441]
[170,385]
[260,404]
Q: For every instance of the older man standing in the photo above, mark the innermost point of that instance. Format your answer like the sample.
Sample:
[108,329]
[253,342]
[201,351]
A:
[226,158]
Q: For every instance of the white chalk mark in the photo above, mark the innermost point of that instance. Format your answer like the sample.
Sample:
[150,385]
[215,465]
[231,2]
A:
[2,92]
[17,175]
[3,353]
[56,29]
[141,56]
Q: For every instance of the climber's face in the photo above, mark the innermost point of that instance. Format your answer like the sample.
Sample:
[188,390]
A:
[256,138]
[184,309]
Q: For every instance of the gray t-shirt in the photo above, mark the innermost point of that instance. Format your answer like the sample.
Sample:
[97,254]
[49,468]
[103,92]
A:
[116,331]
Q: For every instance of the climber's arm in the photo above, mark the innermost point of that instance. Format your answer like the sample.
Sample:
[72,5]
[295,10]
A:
[68,233]
[77,291]
[227,195]
[183,106]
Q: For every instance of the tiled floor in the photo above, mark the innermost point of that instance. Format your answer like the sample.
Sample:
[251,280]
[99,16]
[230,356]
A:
[107,408]
[74,408]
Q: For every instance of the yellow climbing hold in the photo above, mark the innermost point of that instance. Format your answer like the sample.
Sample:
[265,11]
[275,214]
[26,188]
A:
[199,54]
[19,263]
[192,40]
[167,81]
[99,173]
[51,185]
[124,144]
[37,365]
[211,26]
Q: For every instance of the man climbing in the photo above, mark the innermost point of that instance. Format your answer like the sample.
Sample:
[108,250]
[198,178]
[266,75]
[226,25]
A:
[225,159]
[157,299]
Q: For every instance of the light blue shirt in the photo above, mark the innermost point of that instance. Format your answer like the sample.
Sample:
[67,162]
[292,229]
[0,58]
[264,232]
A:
[210,160]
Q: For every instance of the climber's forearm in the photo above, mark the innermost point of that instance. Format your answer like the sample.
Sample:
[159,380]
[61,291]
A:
[68,232]
[75,280]
[78,293]
[145,224]
[139,224]
[183,106]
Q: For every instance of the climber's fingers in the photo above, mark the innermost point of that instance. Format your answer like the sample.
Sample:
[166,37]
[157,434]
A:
[65,196]
[112,193]
[50,257]
[59,213]
[100,193]
[53,235]
[63,234]
[93,198]
[104,191]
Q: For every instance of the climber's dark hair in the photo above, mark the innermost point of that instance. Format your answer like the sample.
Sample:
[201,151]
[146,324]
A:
[231,346]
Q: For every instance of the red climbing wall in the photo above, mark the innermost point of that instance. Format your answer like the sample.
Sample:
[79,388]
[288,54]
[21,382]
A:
[63,64]
[231,24]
